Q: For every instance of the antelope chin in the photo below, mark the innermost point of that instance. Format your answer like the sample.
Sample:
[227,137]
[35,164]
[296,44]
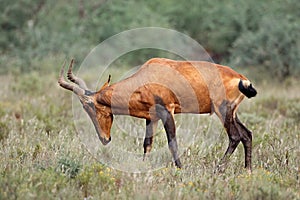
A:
[105,141]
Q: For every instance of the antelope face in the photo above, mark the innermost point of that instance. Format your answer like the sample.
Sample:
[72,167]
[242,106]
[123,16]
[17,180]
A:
[101,118]
[99,114]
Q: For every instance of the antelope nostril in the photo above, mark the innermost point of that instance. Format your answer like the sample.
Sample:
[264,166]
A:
[109,139]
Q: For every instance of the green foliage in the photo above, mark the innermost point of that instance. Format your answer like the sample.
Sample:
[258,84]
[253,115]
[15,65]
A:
[15,18]
[116,16]
[215,24]
[259,33]
[95,174]
[68,167]
[59,28]
[274,45]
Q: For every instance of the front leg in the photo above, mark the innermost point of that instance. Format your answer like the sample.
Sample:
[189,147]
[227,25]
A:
[170,128]
[150,130]
[169,125]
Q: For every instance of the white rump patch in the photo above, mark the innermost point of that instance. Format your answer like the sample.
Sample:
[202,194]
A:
[246,83]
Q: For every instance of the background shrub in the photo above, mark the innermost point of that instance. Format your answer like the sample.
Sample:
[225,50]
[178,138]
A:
[274,45]
[260,33]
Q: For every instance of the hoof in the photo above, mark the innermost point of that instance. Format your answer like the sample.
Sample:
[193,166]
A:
[178,164]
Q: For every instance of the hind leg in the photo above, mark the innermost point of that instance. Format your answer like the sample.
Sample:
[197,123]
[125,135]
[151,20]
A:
[246,138]
[238,132]
[150,129]
[234,138]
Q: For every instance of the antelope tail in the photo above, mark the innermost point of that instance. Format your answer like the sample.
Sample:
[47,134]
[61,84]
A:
[245,86]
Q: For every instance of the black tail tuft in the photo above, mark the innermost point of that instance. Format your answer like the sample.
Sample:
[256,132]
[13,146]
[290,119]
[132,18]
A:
[248,91]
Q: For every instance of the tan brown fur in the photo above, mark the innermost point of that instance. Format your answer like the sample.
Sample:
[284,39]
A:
[142,98]
[167,86]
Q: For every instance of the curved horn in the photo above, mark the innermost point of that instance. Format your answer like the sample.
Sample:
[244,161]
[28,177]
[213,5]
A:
[77,90]
[75,79]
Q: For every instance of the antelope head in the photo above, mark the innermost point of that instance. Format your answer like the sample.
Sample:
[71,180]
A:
[100,114]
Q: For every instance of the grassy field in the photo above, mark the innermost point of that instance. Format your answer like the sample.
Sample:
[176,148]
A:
[41,156]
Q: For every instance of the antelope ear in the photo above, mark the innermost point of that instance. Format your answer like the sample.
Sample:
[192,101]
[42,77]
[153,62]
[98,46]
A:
[105,84]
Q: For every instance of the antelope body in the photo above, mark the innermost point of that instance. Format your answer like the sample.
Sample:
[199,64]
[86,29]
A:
[162,88]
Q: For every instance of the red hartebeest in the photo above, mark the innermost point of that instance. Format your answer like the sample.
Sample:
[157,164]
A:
[162,88]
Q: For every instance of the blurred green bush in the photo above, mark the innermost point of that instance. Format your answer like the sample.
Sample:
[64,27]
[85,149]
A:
[274,44]
[259,33]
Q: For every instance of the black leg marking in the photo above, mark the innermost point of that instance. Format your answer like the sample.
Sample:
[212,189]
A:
[150,128]
[234,138]
[246,137]
[237,132]
[169,126]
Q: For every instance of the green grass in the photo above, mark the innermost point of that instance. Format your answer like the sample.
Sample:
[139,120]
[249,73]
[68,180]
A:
[41,156]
